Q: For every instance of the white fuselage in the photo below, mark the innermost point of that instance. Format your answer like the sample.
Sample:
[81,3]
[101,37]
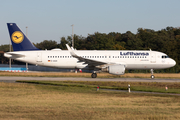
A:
[62,58]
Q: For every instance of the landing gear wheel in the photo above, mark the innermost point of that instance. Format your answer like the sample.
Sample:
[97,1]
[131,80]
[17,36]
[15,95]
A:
[152,77]
[93,75]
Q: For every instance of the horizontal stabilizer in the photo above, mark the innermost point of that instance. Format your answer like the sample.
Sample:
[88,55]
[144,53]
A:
[12,55]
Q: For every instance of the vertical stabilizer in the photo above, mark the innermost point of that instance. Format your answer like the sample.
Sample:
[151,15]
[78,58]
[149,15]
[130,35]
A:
[19,41]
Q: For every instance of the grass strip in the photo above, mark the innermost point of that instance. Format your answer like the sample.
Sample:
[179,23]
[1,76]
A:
[44,102]
[88,75]
[135,86]
[56,83]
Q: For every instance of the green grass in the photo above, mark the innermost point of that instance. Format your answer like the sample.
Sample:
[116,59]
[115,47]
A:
[135,86]
[39,102]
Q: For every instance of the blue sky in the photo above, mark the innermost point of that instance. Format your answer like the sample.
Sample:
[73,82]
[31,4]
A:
[52,19]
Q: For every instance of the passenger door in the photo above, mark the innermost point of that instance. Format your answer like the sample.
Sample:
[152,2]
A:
[153,57]
[39,57]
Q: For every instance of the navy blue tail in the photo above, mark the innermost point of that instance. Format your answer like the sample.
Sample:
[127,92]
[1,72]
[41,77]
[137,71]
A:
[19,41]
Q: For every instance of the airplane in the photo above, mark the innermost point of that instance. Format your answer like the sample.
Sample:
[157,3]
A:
[111,61]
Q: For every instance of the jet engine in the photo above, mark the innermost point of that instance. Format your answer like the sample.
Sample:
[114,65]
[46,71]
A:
[115,69]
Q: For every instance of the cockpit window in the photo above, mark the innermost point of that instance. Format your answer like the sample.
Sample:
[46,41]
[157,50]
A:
[165,56]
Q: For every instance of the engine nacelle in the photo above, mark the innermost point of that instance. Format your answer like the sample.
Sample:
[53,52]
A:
[116,69]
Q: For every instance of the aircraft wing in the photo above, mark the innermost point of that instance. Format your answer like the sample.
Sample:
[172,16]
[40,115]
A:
[90,62]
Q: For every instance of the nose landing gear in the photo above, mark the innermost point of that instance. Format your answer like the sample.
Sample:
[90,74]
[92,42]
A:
[152,76]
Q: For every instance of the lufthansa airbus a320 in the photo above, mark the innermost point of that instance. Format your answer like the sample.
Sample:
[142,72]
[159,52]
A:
[111,61]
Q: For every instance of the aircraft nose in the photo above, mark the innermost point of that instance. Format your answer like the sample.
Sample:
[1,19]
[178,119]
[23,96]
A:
[173,62]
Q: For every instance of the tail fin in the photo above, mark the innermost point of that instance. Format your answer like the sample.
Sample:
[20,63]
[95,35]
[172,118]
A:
[19,41]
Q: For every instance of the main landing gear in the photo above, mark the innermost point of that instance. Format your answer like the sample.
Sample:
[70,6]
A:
[152,76]
[94,75]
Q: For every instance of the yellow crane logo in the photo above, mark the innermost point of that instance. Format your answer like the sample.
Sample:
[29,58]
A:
[17,37]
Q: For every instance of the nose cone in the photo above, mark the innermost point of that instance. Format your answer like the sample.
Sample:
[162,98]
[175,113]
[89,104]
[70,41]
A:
[173,62]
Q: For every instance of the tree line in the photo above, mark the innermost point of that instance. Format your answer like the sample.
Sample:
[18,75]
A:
[165,40]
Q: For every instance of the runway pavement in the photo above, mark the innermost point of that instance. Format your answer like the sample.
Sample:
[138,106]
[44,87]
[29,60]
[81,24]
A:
[13,79]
